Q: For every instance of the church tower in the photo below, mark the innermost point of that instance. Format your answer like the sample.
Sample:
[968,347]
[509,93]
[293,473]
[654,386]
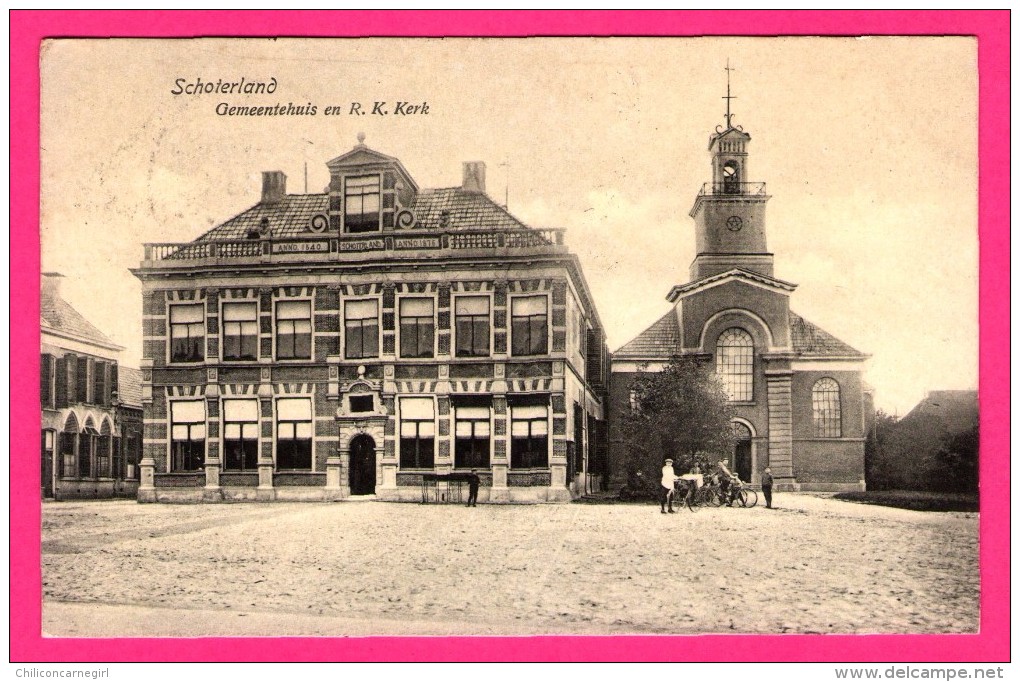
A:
[796,393]
[729,212]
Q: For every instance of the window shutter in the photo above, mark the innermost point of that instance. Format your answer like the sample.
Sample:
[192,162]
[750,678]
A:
[90,389]
[81,384]
[71,377]
[98,382]
[46,380]
[60,388]
[107,388]
[114,386]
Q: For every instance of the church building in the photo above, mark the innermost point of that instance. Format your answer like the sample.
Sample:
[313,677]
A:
[366,339]
[796,391]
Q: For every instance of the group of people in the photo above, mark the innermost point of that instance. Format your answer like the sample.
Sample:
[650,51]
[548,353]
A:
[729,483]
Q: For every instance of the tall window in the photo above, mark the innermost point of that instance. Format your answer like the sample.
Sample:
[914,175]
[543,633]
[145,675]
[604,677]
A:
[86,449]
[187,332]
[529,325]
[361,204]
[735,364]
[472,437]
[104,450]
[294,330]
[240,435]
[293,433]
[240,331]
[731,178]
[68,440]
[825,408]
[472,326]
[417,433]
[187,435]
[417,328]
[529,437]
[361,329]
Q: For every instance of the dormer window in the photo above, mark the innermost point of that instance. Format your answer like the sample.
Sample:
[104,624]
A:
[361,204]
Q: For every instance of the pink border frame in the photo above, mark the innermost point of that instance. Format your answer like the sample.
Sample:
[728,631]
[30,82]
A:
[28,28]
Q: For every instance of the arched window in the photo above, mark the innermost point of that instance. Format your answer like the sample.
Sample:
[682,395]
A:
[825,408]
[68,442]
[86,448]
[731,178]
[104,445]
[734,363]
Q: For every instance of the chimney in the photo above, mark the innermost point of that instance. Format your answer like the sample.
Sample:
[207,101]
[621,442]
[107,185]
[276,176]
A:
[474,176]
[274,187]
[51,284]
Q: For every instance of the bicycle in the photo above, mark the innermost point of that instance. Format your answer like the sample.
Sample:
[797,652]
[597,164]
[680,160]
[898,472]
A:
[746,497]
[686,493]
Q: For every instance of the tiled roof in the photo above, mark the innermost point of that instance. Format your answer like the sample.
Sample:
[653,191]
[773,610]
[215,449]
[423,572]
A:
[809,339]
[662,340]
[287,218]
[956,409]
[465,211]
[129,386]
[451,209]
[58,315]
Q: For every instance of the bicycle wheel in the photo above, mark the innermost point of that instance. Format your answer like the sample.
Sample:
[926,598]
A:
[712,497]
[751,499]
[691,500]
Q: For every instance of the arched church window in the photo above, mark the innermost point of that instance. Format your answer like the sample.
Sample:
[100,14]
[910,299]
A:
[731,178]
[735,364]
[825,408]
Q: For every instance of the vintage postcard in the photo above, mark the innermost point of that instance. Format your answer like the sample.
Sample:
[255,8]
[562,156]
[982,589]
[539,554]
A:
[573,336]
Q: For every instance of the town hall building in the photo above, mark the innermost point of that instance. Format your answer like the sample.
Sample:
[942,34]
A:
[364,340]
[796,391]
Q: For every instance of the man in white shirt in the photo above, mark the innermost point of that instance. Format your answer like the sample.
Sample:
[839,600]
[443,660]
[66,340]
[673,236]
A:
[668,477]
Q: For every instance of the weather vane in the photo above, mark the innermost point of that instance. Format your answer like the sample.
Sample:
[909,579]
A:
[728,97]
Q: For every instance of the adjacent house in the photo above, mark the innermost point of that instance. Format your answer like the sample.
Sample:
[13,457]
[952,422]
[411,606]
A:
[91,406]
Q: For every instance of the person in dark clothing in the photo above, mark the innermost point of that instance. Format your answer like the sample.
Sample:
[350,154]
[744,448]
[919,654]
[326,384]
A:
[473,482]
[766,487]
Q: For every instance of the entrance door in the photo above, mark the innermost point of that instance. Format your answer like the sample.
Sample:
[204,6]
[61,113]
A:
[48,439]
[362,465]
[742,464]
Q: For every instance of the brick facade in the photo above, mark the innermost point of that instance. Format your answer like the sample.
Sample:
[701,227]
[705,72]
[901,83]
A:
[377,398]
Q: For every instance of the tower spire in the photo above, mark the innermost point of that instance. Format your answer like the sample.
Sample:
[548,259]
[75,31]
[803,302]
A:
[728,97]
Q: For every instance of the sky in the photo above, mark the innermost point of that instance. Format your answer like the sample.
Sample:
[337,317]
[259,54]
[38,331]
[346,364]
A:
[868,147]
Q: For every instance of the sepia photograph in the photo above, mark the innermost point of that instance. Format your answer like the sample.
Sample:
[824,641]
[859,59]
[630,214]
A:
[505,337]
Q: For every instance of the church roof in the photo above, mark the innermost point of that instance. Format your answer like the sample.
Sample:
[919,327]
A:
[810,339]
[58,316]
[662,340]
[451,208]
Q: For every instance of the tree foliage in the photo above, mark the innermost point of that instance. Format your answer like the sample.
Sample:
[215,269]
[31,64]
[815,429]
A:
[680,413]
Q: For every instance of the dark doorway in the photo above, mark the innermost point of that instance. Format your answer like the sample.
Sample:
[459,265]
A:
[48,440]
[362,465]
[742,464]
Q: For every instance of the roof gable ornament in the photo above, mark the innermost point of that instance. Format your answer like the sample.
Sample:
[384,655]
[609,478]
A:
[736,274]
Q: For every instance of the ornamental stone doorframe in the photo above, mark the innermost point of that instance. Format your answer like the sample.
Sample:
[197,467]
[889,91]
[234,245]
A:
[338,472]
